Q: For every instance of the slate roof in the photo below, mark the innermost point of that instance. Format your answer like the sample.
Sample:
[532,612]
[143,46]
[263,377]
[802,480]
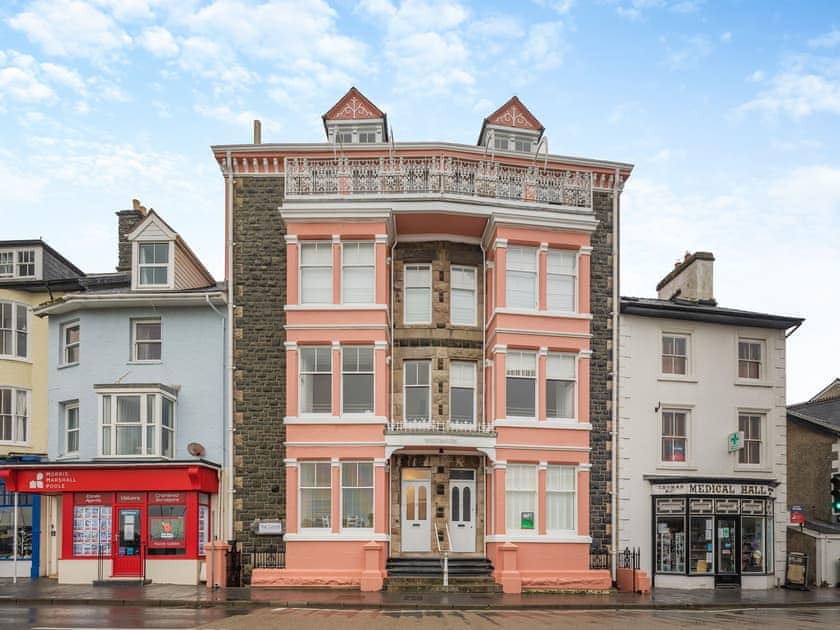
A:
[688,310]
[821,413]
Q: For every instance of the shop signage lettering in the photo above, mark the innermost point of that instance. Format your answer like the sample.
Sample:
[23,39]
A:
[715,489]
[52,480]
[93,498]
[130,498]
[167,498]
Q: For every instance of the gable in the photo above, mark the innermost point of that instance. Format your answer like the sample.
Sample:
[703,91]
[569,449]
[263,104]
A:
[152,228]
[354,106]
[514,114]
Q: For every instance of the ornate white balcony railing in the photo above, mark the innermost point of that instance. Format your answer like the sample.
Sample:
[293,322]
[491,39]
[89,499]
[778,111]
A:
[439,426]
[436,175]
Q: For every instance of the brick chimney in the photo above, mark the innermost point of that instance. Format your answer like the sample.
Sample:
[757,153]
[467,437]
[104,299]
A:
[127,220]
[691,279]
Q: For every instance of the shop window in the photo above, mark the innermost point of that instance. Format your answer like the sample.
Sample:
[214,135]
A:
[521,497]
[560,498]
[561,280]
[357,495]
[316,379]
[14,415]
[521,384]
[674,354]
[751,425]
[14,330]
[358,273]
[136,424]
[167,530]
[462,392]
[701,557]
[145,340]
[70,343]
[674,436]
[316,260]
[315,495]
[521,277]
[750,353]
[418,294]
[7,525]
[203,522]
[357,379]
[153,265]
[463,296]
[670,544]
[417,391]
[91,528]
[753,544]
[561,383]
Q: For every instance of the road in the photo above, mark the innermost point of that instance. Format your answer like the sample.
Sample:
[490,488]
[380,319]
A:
[127,617]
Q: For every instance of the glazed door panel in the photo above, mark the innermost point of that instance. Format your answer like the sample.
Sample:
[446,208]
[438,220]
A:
[462,515]
[127,553]
[416,515]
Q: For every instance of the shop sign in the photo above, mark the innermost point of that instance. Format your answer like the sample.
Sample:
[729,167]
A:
[132,497]
[526,520]
[796,571]
[267,527]
[714,488]
[92,498]
[51,480]
[797,515]
[167,498]
[735,441]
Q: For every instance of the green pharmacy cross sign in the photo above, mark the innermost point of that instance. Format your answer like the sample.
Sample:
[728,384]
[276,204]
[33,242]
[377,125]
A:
[735,441]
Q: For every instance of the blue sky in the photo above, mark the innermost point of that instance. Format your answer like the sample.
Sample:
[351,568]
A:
[729,110]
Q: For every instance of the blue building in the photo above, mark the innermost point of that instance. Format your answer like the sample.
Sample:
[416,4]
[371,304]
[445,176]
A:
[136,411]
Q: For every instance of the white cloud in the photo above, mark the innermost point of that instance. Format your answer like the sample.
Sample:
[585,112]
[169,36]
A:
[70,28]
[544,46]
[690,51]
[827,40]
[798,93]
[21,80]
[243,119]
[633,9]
[726,37]
[158,41]
[687,6]
[129,10]
[64,75]
[757,76]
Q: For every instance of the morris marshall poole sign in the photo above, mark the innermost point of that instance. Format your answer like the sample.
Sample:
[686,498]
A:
[713,488]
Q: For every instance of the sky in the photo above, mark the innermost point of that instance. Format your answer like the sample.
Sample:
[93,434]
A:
[730,112]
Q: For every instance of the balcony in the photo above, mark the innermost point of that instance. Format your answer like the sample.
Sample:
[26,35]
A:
[439,426]
[436,176]
[410,434]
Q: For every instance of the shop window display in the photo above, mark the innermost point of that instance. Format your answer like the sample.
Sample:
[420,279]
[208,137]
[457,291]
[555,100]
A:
[670,544]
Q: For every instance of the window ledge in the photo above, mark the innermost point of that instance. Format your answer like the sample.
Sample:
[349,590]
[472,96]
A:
[329,306]
[506,310]
[544,424]
[517,537]
[752,383]
[157,362]
[674,466]
[11,443]
[675,378]
[67,457]
[9,357]
[329,536]
[149,458]
[755,468]
[347,419]
[68,365]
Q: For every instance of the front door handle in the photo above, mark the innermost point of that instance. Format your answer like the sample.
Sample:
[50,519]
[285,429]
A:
[415,524]
[461,525]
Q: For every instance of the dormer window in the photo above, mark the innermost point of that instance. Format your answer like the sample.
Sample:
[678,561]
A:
[19,263]
[26,263]
[367,136]
[153,266]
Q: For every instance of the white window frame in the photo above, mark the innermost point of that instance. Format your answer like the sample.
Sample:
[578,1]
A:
[168,265]
[7,261]
[372,486]
[762,362]
[67,347]
[316,371]
[301,268]
[371,266]
[552,492]
[662,355]
[536,497]
[135,342]
[508,370]
[66,408]
[573,380]
[301,488]
[761,414]
[473,366]
[417,267]
[372,373]
[509,267]
[470,290]
[428,386]
[154,427]
[16,330]
[366,130]
[12,260]
[687,437]
[554,254]
[15,417]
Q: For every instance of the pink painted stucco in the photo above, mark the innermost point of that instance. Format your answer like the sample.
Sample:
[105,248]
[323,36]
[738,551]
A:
[546,566]
[442,223]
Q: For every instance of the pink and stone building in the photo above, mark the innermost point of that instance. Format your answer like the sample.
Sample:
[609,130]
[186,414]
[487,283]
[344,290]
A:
[422,338]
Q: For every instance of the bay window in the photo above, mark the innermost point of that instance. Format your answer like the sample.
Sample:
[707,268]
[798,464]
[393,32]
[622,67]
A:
[560,498]
[70,340]
[316,379]
[14,415]
[358,273]
[561,280]
[416,390]
[315,495]
[137,423]
[463,296]
[357,379]
[520,497]
[357,495]
[418,294]
[561,380]
[521,277]
[70,413]
[316,273]
[521,384]
[462,392]
[14,330]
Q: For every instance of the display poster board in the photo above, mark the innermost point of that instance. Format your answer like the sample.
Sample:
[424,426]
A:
[797,515]
[796,571]
[526,520]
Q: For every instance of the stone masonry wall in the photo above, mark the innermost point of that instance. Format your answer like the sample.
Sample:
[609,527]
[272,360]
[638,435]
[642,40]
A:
[601,368]
[809,460]
[259,294]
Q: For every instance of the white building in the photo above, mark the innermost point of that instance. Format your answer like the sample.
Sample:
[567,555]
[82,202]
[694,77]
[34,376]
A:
[706,509]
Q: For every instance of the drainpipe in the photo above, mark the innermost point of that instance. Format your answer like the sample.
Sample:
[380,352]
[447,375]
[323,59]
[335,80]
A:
[228,464]
[483,376]
[616,297]
[392,317]
[223,404]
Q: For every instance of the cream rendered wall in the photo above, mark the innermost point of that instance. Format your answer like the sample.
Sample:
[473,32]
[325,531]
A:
[31,373]
[714,395]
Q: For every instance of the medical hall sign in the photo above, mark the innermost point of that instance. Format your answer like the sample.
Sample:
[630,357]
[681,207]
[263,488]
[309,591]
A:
[714,488]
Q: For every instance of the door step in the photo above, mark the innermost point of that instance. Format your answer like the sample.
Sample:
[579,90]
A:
[433,567]
[434,584]
[122,582]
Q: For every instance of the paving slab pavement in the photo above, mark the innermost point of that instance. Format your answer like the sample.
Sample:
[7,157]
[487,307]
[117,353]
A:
[45,591]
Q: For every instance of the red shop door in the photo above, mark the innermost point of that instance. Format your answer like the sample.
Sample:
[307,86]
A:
[127,552]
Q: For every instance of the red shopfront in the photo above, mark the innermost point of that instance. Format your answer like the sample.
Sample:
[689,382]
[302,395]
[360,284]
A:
[126,522]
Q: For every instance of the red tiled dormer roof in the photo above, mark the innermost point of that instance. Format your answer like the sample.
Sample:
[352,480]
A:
[515,115]
[354,106]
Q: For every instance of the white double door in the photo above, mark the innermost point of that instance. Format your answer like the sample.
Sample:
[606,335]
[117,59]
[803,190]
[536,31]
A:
[416,514]
[417,511]
[462,511]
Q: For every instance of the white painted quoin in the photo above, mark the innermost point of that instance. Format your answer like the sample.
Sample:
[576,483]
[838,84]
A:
[691,374]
